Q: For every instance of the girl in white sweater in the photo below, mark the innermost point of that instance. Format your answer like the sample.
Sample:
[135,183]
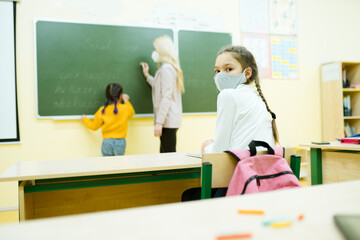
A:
[243,113]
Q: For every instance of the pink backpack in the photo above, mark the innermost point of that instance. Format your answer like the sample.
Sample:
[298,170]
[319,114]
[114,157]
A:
[260,173]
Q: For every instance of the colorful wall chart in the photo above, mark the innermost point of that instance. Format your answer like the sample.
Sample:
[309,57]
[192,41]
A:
[268,30]
[284,57]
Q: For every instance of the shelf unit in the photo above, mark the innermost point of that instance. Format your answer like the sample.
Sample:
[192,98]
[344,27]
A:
[332,97]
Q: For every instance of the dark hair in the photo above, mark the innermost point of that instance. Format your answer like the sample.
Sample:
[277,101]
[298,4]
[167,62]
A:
[113,92]
[246,59]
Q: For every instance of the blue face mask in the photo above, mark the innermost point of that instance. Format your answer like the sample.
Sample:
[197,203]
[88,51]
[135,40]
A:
[224,80]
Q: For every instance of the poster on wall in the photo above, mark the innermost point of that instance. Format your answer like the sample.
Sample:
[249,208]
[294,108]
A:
[268,30]
[282,17]
[259,46]
[284,57]
[254,16]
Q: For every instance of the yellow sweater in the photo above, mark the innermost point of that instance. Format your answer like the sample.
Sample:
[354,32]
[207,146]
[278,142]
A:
[112,125]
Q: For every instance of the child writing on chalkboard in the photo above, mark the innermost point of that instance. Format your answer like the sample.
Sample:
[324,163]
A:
[112,118]
[243,112]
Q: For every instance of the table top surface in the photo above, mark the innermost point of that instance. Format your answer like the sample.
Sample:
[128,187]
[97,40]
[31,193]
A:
[45,169]
[207,219]
[334,146]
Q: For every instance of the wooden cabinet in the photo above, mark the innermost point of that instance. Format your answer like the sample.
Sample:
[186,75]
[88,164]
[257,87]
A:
[333,93]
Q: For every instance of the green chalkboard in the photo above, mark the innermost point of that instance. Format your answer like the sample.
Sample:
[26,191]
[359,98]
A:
[76,61]
[197,53]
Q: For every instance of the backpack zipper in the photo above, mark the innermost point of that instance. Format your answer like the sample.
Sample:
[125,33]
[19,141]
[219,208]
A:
[258,178]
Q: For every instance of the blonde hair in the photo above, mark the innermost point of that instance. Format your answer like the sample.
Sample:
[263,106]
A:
[167,53]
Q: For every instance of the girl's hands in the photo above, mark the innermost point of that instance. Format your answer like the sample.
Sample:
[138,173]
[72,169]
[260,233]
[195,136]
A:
[145,69]
[125,97]
[82,117]
[158,130]
[205,144]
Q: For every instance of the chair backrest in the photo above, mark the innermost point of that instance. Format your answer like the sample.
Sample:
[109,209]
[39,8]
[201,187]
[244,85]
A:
[223,166]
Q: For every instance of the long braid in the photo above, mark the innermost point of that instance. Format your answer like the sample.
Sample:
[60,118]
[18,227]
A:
[273,123]
[108,97]
[115,92]
[105,105]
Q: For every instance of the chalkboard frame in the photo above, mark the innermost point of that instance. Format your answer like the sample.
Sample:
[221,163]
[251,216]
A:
[141,115]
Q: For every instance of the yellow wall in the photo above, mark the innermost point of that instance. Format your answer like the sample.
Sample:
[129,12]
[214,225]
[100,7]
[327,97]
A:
[327,31]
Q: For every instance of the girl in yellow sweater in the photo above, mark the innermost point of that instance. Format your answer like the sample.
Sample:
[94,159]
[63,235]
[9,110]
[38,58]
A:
[112,118]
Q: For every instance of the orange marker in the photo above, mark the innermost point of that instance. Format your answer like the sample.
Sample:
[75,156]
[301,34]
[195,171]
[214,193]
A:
[301,217]
[258,212]
[231,237]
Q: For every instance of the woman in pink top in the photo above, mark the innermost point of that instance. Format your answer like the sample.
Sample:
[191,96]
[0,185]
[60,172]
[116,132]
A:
[167,86]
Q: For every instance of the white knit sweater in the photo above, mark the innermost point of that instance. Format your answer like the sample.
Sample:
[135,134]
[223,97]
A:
[241,117]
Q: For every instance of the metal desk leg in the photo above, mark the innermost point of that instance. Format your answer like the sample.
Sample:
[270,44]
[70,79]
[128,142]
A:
[316,166]
[295,165]
[206,173]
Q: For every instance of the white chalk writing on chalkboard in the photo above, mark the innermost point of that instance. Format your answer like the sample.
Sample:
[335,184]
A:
[76,102]
[97,45]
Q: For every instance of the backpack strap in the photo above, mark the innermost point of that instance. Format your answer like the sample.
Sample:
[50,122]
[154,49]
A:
[242,154]
[253,144]
[238,154]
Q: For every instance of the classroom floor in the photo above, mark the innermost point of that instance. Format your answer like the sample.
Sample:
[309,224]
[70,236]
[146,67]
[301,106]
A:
[9,216]
[304,182]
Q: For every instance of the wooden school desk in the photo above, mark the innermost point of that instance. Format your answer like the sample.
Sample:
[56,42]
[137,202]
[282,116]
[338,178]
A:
[63,187]
[334,162]
[207,219]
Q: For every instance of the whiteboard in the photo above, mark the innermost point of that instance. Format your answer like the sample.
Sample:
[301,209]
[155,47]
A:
[9,131]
